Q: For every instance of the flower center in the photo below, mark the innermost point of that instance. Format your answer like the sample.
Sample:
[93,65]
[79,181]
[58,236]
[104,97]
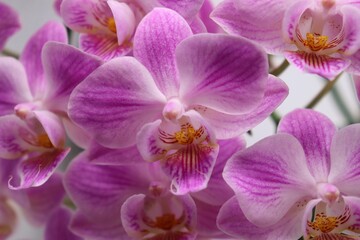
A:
[166,221]
[111,25]
[187,135]
[44,141]
[315,41]
[323,223]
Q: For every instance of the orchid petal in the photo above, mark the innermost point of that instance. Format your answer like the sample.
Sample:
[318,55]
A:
[186,8]
[345,162]
[79,136]
[115,101]
[269,178]
[228,126]
[125,21]
[53,127]
[43,200]
[31,56]
[155,41]
[252,20]
[57,227]
[35,171]
[351,41]
[87,16]
[105,156]
[225,73]
[99,190]
[65,67]
[315,132]
[14,88]
[323,65]
[12,146]
[204,15]
[354,68]
[233,222]
[106,47]
[95,229]
[9,23]
[217,191]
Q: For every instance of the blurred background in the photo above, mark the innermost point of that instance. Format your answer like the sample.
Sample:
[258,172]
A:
[340,105]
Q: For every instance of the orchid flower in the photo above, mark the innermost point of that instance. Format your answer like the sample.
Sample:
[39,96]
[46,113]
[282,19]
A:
[279,180]
[9,23]
[101,182]
[34,203]
[107,27]
[177,97]
[317,36]
[34,93]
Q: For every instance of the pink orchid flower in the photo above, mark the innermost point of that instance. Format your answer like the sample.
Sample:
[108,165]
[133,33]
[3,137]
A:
[33,107]
[177,97]
[107,27]
[279,180]
[118,196]
[317,36]
[9,23]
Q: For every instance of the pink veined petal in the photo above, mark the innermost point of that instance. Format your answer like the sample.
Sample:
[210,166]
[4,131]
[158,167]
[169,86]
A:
[307,214]
[232,221]
[53,127]
[35,171]
[9,23]
[57,228]
[99,190]
[228,126]
[115,101]
[79,136]
[351,42]
[125,21]
[354,68]
[315,132]
[190,167]
[197,26]
[356,79]
[155,41]
[204,15]
[323,65]
[65,67]
[42,201]
[345,161]
[269,178]
[87,16]
[186,8]
[8,219]
[252,20]
[217,190]
[93,228]
[206,221]
[291,19]
[31,56]
[14,88]
[225,73]
[354,205]
[106,47]
[12,146]
[105,156]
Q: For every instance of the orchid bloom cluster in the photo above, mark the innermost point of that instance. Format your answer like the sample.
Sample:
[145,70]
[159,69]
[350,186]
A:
[128,120]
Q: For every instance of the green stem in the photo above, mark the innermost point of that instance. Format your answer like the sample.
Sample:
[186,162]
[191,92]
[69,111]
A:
[342,106]
[323,92]
[10,53]
[276,118]
[280,69]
